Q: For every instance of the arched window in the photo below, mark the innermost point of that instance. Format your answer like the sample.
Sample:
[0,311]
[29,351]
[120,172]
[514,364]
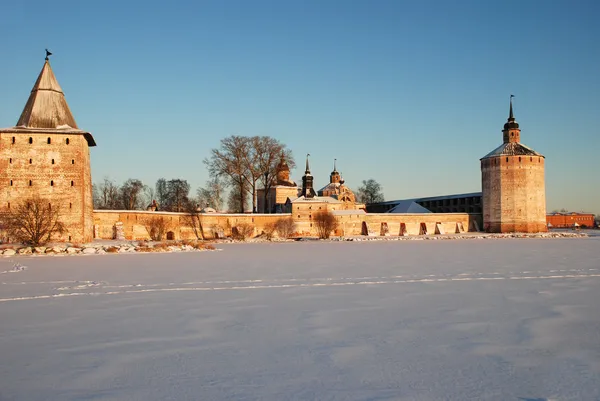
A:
[30,161]
[30,140]
[70,205]
[13,140]
[52,161]
[11,184]
[72,183]
[10,160]
[51,183]
[67,141]
[507,159]
[49,140]
[72,161]
[9,205]
[519,159]
[30,183]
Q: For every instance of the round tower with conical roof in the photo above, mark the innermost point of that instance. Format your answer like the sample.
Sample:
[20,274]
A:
[46,155]
[513,184]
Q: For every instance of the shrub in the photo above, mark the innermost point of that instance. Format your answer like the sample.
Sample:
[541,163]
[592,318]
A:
[242,231]
[325,223]
[269,229]
[156,227]
[285,227]
[112,249]
[33,222]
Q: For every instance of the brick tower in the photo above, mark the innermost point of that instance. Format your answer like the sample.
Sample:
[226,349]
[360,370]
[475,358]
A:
[47,155]
[512,180]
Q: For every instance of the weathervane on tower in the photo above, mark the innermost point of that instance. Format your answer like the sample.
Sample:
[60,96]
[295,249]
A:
[48,54]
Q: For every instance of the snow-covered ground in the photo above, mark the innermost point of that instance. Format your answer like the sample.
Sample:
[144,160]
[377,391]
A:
[409,320]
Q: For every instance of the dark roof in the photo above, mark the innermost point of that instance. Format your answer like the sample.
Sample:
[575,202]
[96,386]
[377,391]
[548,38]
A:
[512,149]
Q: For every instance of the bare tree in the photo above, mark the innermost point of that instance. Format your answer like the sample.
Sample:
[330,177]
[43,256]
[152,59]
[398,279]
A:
[370,192]
[211,194]
[269,152]
[235,203]
[229,161]
[285,227]
[194,219]
[156,227]
[325,222]
[177,195]
[34,221]
[106,195]
[161,192]
[132,194]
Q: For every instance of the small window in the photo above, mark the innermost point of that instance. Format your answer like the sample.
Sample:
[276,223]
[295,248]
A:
[9,205]
[52,161]
[30,140]
[50,206]
[10,160]
[72,161]
[310,216]
[72,183]
[531,159]
[298,215]
[11,184]
[30,183]
[70,206]
[49,141]
[507,159]
[51,183]
[30,161]
[69,238]
[519,159]
[13,141]
[67,141]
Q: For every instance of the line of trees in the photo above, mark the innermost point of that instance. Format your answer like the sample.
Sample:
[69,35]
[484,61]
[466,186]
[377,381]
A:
[237,168]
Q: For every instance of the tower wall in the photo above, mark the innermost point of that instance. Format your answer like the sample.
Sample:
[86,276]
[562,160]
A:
[70,176]
[514,194]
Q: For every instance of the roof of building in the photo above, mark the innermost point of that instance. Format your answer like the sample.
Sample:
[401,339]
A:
[512,149]
[315,199]
[409,206]
[431,198]
[47,109]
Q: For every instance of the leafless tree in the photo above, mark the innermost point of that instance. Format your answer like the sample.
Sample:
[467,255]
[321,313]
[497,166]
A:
[132,194]
[242,231]
[106,195]
[34,221]
[245,162]
[194,219]
[161,193]
[229,161]
[156,227]
[177,197]
[211,194]
[285,227]
[325,223]
[370,192]
[269,152]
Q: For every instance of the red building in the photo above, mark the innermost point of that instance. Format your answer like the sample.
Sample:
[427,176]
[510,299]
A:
[570,220]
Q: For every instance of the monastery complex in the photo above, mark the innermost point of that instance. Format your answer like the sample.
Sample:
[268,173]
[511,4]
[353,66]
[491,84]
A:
[47,155]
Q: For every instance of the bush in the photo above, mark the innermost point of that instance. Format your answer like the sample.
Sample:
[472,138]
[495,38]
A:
[156,227]
[269,230]
[242,231]
[285,227]
[325,223]
[33,222]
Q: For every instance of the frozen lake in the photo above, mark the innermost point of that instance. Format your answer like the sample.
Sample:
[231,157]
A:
[407,320]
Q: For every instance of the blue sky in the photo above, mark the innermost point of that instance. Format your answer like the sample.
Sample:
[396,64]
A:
[411,93]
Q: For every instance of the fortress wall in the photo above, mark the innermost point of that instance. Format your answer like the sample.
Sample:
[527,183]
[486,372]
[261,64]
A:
[134,223]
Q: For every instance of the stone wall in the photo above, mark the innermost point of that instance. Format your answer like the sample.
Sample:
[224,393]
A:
[53,166]
[215,225]
[514,195]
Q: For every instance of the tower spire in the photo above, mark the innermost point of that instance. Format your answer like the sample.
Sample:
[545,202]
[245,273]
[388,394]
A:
[510,114]
[307,171]
[334,165]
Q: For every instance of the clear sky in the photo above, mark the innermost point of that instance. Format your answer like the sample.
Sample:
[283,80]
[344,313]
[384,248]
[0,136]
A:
[411,93]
